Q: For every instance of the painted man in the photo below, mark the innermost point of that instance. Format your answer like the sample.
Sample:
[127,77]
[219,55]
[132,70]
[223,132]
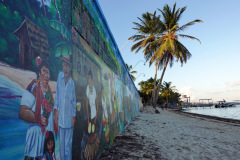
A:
[65,109]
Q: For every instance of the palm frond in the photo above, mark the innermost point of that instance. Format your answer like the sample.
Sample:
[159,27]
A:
[171,61]
[180,13]
[164,16]
[149,39]
[173,28]
[162,60]
[127,67]
[141,21]
[142,38]
[171,45]
[183,27]
[136,46]
[153,59]
[161,49]
[137,25]
[136,37]
[174,8]
[133,72]
[191,37]
[182,52]
[133,77]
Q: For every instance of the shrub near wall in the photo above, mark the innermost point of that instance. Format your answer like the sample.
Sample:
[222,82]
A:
[64,88]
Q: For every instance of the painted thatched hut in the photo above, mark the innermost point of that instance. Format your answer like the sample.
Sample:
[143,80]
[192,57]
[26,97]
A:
[33,42]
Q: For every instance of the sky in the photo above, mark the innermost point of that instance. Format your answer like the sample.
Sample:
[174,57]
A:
[213,71]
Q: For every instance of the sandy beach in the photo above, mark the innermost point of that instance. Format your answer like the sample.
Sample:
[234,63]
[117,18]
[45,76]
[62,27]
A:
[21,76]
[176,136]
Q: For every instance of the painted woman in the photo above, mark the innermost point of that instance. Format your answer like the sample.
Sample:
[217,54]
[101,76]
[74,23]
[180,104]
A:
[37,109]
[90,141]
[105,115]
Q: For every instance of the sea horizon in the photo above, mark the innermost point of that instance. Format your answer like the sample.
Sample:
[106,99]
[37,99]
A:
[228,112]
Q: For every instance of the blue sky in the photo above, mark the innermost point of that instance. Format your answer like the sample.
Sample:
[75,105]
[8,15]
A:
[213,70]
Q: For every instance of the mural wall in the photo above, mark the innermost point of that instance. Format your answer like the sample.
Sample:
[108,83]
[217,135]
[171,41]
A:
[65,92]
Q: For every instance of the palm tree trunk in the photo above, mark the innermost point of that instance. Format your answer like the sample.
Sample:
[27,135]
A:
[55,4]
[167,101]
[44,8]
[154,89]
[160,82]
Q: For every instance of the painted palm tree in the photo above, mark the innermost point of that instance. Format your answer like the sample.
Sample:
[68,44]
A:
[130,70]
[44,7]
[146,33]
[169,47]
[58,13]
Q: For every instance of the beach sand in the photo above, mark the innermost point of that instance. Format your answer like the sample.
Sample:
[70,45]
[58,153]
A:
[21,76]
[174,135]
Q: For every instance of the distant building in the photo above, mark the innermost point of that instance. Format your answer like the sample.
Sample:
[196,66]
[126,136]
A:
[33,42]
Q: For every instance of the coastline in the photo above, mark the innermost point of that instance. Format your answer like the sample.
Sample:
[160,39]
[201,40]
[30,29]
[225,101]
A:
[177,135]
[228,120]
[21,76]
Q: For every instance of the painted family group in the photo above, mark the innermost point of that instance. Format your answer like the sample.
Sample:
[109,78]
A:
[46,116]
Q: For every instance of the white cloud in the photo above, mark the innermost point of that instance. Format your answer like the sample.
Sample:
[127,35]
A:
[190,92]
[232,84]
[229,90]
[227,83]
[236,83]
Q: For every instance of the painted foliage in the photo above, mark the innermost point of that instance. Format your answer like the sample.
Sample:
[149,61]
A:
[65,92]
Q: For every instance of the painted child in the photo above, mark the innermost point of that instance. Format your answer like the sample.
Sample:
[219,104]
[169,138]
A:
[49,147]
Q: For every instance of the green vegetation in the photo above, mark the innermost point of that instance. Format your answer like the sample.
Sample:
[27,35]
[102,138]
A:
[130,70]
[167,94]
[12,15]
[146,34]
[158,36]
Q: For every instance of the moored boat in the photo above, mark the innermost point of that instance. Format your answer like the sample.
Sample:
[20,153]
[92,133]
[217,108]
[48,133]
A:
[224,104]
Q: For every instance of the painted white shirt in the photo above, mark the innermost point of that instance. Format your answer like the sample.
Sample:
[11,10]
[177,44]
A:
[92,99]
[65,101]
[109,95]
[104,105]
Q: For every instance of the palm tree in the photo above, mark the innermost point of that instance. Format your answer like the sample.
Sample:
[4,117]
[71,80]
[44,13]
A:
[167,90]
[130,70]
[170,48]
[146,89]
[147,86]
[146,33]
[174,97]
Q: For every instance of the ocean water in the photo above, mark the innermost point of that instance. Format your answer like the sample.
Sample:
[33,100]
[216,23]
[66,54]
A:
[12,129]
[230,112]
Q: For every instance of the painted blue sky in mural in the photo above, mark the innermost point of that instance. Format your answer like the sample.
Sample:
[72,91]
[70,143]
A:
[212,72]
[46,2]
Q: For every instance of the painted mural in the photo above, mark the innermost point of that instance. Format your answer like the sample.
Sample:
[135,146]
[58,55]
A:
[65,92]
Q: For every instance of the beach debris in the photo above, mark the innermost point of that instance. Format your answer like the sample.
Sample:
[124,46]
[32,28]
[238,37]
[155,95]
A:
[149,109]
[157,111]
[147,155]
[130,145]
